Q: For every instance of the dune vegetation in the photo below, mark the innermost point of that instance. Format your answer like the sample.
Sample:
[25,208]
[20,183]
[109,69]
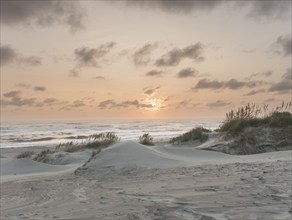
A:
[146,139]
[95,142]
[198,133]
[252,115]
[25,154]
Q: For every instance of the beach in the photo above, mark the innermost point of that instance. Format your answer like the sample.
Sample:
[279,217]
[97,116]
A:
[131,181]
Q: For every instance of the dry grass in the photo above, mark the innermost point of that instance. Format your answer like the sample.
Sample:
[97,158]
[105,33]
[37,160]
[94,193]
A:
[146,139]
[198,133]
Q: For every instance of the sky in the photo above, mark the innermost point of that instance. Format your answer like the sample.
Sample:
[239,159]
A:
[92,60]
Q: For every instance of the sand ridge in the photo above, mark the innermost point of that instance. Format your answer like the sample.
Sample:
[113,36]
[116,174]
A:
[132,181]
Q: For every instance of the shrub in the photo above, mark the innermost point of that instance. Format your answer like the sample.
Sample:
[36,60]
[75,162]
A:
[26,154]
[43,155]
[146,139]
[255,116]
[198,133]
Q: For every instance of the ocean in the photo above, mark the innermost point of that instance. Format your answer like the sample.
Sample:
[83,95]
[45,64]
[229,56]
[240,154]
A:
[29,134]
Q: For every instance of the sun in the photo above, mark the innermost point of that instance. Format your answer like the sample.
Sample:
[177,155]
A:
[155,104]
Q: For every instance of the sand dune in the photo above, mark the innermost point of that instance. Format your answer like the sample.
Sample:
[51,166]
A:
[130,181]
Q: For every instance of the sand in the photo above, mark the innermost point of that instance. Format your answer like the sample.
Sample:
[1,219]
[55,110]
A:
[132,181]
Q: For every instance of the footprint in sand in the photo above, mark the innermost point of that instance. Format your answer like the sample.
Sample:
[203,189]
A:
[79,193]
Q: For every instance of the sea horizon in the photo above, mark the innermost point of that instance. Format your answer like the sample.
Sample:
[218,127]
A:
[53,132]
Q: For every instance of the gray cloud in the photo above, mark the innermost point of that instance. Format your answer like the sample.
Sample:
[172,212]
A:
[50,101]
[176,6]
[42,13]
[261,74]
[91,56]
[230,84]
[33,60]
[174,57]
[254,92]
[284,85]
[218,104]
[110,104]
[14,99]
[142,55]
[150,91]
[100,77]
[255,9]
[285,45]
[154,73]
[107,104]
[12,94]
[187,72]
[186,104]
[75,104]
[267,9]
[8,55]
[39,88]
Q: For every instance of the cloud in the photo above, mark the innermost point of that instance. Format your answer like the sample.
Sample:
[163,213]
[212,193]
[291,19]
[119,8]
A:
[43,13]
[154,73]
[186,104]
[187,72]
[174,57]
[107,104]
[176,6]
[23,85]
[32,61]
[100,77]
[8,55]
[261,74]
[150,91]
[75,104]
[14,99]
[39,88]
[267,9]
[284,85]
[255,9]
[142,55]
[110,104]
[254,92]
[284,44]
[232,84]
[91,56]
[50,101]
[12,94]
[73,73]
[218,104]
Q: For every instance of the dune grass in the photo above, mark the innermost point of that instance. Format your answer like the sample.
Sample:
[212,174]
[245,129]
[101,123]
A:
[43,155]
[146,139]
[198,133]
[25,154]
[256,116]
[95,141]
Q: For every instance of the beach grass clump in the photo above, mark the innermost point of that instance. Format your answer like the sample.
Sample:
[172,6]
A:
[146,139]
[43,155]
[95,141]
[25,154]
[198,133]
[252,115]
